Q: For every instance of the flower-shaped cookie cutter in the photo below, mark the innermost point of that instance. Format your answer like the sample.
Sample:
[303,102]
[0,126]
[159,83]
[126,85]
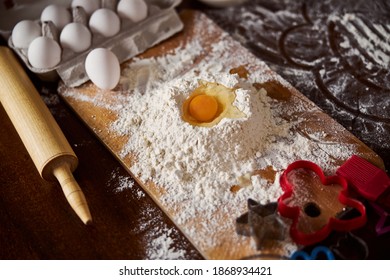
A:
[314,202]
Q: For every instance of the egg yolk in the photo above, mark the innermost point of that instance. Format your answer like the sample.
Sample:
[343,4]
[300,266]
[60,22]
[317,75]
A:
[209,103]
[203,108]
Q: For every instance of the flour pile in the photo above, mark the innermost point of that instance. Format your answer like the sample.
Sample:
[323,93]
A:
[197,164]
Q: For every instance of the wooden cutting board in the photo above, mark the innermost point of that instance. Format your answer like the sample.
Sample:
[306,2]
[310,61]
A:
[293,107]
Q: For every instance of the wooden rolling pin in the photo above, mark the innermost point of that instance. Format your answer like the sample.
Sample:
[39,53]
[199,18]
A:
[41,135]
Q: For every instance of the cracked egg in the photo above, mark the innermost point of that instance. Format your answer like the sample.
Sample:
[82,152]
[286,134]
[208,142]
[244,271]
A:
[209,103]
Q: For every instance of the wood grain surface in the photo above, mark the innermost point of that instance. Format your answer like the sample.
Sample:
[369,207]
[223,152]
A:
[36,222]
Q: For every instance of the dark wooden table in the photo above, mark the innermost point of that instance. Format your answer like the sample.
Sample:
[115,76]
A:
[36,222]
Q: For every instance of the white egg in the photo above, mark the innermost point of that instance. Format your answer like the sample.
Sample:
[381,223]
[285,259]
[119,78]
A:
[59,15]
[89,6]
[134,10]
[76,37]
[24,33]
[103,68]
[44,53]
[105,22]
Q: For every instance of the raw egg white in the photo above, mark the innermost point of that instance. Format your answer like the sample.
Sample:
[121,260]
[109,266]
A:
[24,33]
[44,53]
[209,103]
[59,15]
[103,68]
[89,6]
[76,37]
[105,22]
[134,10]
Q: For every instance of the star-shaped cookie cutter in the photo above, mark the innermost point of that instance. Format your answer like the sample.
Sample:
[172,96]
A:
[262,222]
[332,222]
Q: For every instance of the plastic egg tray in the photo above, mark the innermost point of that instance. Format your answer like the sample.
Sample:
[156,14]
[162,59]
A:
[133,38]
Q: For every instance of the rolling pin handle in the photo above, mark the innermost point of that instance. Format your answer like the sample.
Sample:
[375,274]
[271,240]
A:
[72,192]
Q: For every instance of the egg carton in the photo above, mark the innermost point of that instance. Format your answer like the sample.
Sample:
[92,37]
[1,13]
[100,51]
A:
[133,38]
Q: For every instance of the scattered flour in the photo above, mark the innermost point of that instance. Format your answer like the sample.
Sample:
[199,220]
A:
[376,47]
[160,242]
[124,183]
[162,247]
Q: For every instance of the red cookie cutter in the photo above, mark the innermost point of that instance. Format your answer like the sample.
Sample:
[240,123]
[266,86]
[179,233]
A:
[333,223]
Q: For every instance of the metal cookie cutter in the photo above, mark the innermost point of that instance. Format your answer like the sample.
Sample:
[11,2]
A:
[262,222]
[314,203]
